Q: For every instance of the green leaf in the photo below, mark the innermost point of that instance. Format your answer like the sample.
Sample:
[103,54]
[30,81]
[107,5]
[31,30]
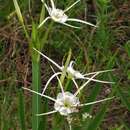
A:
[127,48]
[36,99]
[21,110]
[18,11]
[126,125]
[123,98]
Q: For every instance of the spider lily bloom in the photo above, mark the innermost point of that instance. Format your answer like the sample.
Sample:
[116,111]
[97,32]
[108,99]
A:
[71,73]
[59,16]
[66,103]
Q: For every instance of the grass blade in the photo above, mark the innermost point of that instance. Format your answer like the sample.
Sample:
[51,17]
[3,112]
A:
[18,11]
[21,111]
[36,99]
[123,98]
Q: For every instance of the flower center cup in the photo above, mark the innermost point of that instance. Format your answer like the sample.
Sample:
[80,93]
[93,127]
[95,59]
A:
[66,103]
[58,15]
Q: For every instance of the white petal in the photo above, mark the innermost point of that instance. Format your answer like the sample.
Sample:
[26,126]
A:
[52,99]
[78,75]
[85,84]
[59,96]
[66,24]
[75,83]
[63,111]
[72,5]
[81,21]
[100,81]
[53,76]
[46,6]
[47,113]
[90,103]
[53,62]
[43,21]
[52,4]
[62,90]
[57,106]
[102,71]
[71,64]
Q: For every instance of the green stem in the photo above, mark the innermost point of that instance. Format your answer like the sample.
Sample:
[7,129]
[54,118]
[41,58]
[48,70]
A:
[36,100]
[36,79]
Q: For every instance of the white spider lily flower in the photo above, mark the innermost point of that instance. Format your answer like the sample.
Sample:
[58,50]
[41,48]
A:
[71,73]
[66,104]
[59,16]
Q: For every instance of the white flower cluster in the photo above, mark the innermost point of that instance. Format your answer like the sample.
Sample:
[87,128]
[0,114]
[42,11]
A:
[66,102]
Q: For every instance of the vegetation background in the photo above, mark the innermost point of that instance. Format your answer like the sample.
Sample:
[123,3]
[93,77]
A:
[93,49]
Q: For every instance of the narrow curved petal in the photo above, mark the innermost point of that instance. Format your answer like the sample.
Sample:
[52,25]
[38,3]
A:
[81,21]
[95,102]
[100,81]
[66,24]
[52,4]
[102,71]
[71,6]
[52,99]
[53,62]
[47,113]
[62,90]
[43,21]
[85,84]
[50,79]
[75,83]
[46,7]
